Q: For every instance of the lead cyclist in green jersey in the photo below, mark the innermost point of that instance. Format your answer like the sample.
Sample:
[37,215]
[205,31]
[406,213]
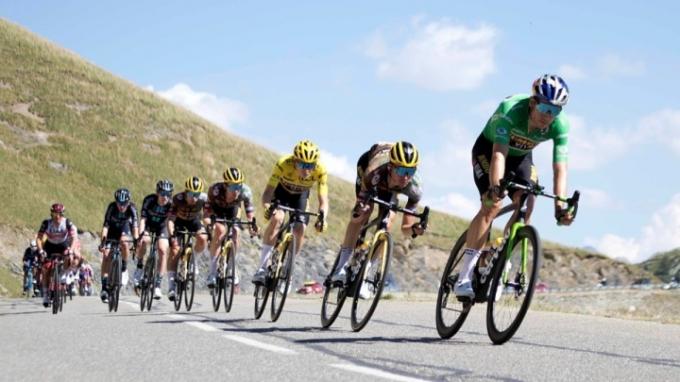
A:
[518,125]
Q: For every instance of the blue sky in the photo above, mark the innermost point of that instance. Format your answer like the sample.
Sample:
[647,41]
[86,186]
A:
[351,73]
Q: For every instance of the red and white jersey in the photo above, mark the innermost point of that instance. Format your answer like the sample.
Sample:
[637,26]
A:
[58,233]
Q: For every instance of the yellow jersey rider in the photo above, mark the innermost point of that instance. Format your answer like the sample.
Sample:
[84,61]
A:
[292,178]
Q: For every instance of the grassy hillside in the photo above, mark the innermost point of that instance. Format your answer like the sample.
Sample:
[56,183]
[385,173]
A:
[665,265]
[72,132]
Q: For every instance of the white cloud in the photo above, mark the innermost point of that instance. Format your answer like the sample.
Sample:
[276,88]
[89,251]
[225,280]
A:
[595,198]
[223,112]
[663,127]
[450,165]
[456,204]
[339,166]
[571,72]
[661,234]
[439,55]
[486,108]
[592,147]
[615,65]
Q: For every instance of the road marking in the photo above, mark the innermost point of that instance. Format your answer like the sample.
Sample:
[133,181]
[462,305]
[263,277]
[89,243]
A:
[375,372]
[202,326]
[258,344]
[132,304]
[176,316]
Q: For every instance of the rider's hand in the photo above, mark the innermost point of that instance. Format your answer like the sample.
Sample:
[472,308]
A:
[564,216]
[496,193]
[361,208]
[417,229]
[321,224]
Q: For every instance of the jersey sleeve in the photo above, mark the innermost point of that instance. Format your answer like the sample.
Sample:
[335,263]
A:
[247,196]
[134,220]
[322,180]
[498,128]
[560,140]
[277,173]
[414,193]
[144,214]
[109,212]
[43,227]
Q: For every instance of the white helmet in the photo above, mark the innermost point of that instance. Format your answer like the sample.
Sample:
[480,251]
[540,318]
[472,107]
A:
[551,89]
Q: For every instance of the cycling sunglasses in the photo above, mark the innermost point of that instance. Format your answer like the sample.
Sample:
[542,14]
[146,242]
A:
[547,108]
[193,194]
[167,194]
[234,187]
[405,171]
[305,166]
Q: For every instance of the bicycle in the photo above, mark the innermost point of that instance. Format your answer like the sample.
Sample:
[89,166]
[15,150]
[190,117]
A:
[57,290]
[368,268]
[279,272]
[148,281]
[185,271]
[508,278]
[226,265]
[116,273]
[29,280]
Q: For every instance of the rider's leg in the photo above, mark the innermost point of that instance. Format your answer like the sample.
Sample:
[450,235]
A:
[141,250]
[163,247]
[219,231]
[358,219]
[269,238]
[477,235]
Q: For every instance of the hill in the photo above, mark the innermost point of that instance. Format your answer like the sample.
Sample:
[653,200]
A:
[665,265]
[71,132]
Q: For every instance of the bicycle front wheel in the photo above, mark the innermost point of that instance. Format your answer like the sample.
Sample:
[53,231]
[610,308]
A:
[512,286]
[115,283]
[333,298]
[216,292]
[282,275]
[369,286]
[190,283]
[229,279]
[261,296]
[451,313]
[180,282]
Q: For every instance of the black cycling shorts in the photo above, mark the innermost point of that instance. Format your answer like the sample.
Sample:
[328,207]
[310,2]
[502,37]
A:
[522,166]
[52,248]
[297,201]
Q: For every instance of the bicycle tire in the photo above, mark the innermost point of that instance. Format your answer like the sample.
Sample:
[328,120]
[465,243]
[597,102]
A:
[180,274]
[216,291]
[261,295]
[283,274]
[190,281]
[228,281]
[118,282]
[357,321]
[334,296]
[445,295]
[512,290]
[54,289]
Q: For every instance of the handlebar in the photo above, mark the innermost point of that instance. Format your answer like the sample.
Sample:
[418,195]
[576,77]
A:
[276,206]
[538,190]
[423,216]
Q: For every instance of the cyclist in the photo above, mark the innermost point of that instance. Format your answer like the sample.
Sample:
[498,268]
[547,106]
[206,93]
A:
[385,170]
[30,260]
[155,209]
[85,277]
[55,237]
[224,201]
[185,214]
[289,185]
[517,126]
[120,221]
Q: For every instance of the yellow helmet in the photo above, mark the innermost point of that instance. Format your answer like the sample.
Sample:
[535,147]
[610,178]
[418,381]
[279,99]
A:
[306,151]
[233,175]
[194,184]
[404,154]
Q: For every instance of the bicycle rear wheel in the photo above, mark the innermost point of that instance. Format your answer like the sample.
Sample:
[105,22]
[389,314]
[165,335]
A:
[150,278]
[114,287]
[512,286]
[451,313]
[333,298]
[371,282]
[229,279]
[261,296]
[282,275]
[54,290]
[190,283]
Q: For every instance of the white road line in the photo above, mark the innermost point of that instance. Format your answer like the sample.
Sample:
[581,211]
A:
[175,316]
[375,372]
[132,304]
[202,326]
[258,344]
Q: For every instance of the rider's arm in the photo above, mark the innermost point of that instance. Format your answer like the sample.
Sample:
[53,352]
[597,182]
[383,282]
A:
[322,190]
[497,167]
[134,221]
[268,195]
[142,224]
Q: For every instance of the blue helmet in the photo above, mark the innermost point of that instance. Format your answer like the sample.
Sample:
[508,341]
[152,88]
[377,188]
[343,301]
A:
[551,89]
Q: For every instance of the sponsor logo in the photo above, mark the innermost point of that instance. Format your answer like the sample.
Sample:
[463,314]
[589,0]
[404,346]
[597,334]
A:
[501,131]
[522,143]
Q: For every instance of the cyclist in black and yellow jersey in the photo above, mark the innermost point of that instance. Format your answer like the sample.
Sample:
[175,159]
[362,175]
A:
[385,170]
[292,178]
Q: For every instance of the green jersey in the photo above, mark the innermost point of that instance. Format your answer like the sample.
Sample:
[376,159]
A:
[509,125]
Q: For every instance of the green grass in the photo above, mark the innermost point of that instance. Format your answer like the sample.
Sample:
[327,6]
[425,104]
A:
[127,137]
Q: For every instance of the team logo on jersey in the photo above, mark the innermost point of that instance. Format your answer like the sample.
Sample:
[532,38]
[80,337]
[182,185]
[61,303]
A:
[501,131]
[522,143]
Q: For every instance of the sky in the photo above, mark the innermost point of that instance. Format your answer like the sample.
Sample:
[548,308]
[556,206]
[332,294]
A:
[348,74]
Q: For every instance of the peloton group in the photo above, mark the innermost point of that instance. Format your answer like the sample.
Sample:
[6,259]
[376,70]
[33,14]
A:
[504,146]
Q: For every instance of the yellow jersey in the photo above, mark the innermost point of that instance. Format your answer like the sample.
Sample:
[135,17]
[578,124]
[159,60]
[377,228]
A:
[287,176]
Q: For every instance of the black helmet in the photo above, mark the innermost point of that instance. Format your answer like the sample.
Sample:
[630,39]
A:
[164,186]
[122,195]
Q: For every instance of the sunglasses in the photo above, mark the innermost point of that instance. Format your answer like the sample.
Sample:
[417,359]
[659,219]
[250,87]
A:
[405,171]
[234,187]
[547,108]
[305,166]
[193,194]
[167,194]
[122,205]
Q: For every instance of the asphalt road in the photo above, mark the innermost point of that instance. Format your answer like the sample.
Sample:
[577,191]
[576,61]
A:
[400,343]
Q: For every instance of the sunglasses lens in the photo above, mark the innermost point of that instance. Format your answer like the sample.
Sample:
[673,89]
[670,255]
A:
[547,108]
[405,171]
[306,166]
[234,187]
